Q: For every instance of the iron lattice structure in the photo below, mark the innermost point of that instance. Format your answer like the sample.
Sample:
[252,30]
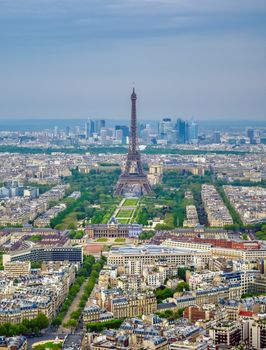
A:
[133,174]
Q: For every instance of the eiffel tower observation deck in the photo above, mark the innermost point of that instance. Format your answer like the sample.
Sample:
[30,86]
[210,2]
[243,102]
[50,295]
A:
[133,181]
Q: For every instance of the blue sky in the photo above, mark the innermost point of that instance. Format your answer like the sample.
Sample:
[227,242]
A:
[78,58]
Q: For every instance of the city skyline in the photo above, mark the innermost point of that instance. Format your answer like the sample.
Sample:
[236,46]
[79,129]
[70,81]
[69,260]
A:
[188,59]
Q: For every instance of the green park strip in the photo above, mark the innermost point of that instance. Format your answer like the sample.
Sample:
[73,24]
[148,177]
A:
[130,202]
[168,202]
[100,326]
[123,213]
[111,150]
[96,203]
[234,214]
[66,150]
[75,315]
[82,274]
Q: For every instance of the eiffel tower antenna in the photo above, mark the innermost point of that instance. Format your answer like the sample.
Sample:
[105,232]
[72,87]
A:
[133,173]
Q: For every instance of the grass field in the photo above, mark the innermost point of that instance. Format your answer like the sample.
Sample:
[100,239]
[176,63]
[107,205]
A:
[120,240]
[124,213]
[102,239]
[123,221]
[130,202]
[48,345]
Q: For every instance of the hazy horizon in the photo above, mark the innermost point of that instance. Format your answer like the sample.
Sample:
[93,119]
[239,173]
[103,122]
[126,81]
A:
[23,125]
[77,59]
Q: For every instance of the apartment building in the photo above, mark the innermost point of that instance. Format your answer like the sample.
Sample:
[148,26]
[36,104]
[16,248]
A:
[258,332]
[37,293]
[226,333]
[217,213]
[133,305]
[18,268]
[249,202]
[94,313]
[242,254]
[192,219]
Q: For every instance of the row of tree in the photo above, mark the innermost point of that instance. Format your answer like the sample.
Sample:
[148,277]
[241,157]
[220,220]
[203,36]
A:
[82,274]
[26,327]
[100,326]
[235,216]
[96,268]
[75,234]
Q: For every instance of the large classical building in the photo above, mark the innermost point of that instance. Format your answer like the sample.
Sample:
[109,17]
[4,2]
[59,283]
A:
[113,230]
[136,256]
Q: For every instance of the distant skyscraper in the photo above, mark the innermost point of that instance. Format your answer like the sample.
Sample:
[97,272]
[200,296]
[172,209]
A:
[186,132]
[193,131]
[217,137]
[145,134]
[98,125]
[165,128]
[77,130]
[89,128]
[67,131]
[251,136]
[124,128]
[103,135]
[55,131]
[181,132]
[119,135]
[125,132]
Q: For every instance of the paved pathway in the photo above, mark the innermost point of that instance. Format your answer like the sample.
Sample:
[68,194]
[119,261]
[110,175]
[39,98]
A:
[121,206]
[73,307]
[118,208]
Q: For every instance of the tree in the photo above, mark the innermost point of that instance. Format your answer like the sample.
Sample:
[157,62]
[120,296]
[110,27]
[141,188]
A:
[42,321]
[181,272]
[162,294]
[100,326]
[182,286]
[25,327]
[72,226]
[71,323]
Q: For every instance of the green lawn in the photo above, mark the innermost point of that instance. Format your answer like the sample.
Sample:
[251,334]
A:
[102,239]
[122,221]
[130,202]
[49,345]
[120,240]
[35,238]
[123,213]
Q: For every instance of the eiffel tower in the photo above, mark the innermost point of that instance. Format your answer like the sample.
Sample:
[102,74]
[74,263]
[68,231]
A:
[133,175]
